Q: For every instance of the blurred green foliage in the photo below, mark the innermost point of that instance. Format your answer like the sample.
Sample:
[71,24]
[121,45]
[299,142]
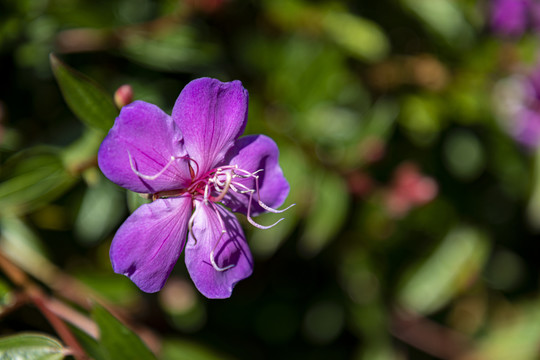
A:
[415,230]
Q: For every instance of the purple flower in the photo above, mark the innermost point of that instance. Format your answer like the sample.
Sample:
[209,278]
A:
[513,17]
[517,102]
[190,162]
[509,17]
[526,127]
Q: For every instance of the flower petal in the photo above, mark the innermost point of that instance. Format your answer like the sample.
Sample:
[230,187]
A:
[252,153]
[216,281]
[145,133]
[211,115]
[148,244]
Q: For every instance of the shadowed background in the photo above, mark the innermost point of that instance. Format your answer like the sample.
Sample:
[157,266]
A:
[400,128]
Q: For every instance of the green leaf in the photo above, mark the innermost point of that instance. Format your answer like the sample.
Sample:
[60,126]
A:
[453,265]
[533,209]
[464,155]
[327,214]
[32,178]
[184,350]
[444,18]
[101,210]
[134,200]
[513,337]
[21,244]
[116,289]
[89,344]
[85,98]
[30,347]
[360,37]
[175,50]
[117,341]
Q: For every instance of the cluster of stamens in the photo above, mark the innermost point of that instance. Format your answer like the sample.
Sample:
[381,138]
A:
[212,187]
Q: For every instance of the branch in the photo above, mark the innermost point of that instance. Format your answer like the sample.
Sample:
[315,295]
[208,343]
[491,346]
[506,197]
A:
[427,335]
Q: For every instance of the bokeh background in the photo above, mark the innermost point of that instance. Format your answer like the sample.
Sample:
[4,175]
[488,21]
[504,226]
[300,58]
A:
[408,130]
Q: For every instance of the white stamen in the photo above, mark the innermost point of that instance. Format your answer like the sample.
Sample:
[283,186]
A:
[252,222]
[205,197]
[223,231]
[226,187]
[190,227]
[149,177]
[215,266]
[272,210]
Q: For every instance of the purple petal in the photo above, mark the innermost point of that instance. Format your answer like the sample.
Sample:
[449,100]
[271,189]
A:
[148,244]
[229,249]
[527,128]
[252,153]
[211,115]
[509,17]
[147,134]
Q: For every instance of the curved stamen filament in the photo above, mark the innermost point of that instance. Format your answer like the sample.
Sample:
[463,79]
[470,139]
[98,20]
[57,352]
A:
[272,210]
[149,177]
[223,231]
[250,219]
[216,266]
[243,189]
[190,227]
[226,187]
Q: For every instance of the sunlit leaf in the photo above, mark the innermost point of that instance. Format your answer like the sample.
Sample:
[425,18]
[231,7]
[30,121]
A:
[185,350]
[362,38]
[514,337]
[421,116]
[444,18]
[327,214]
[118,341]
[30,347]
[134,200]
[451,267]
[85,98]
[6,295]
[101,210]
[81,154]
[114,288]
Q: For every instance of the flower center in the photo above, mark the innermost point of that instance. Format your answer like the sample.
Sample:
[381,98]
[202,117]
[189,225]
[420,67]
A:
[212,188]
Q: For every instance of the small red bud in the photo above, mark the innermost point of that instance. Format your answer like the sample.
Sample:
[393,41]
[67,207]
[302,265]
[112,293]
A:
[123,96]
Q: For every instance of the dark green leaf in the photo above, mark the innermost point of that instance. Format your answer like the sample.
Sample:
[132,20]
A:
[31,179]
[184,350]
[89,344]
[117,341]
[30,347]
[85,98]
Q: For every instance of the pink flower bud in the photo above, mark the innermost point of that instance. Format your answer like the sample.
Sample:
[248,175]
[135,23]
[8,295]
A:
[123,96]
